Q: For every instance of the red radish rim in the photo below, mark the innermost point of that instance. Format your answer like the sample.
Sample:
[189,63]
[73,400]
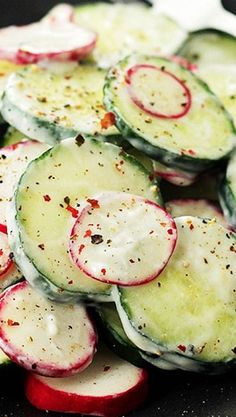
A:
[26,57]
[175,175]
[128,79]
[43,368]
[22,56]
[82,267]
[134,397]
[9,264]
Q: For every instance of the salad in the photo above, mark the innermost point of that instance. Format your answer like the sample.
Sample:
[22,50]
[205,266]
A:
[117,204]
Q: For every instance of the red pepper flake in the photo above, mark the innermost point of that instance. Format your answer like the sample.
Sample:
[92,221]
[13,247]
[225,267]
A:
[93,203]
[108,120]
[182,348]
[118,167]
[71,282]
[151,177]
[1,252]
[12,323]
[191,152]
[163,224]
[88,233]
[106,368]
[131,261]
[81,248]
[191,226]
[73,211]
[170,231]
[103,271]
[47,198]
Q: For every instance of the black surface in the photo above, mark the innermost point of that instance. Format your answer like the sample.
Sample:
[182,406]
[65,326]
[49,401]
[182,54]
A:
[172,394]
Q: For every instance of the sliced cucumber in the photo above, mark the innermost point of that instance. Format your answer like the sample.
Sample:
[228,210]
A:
[189,311]
[6,68]
[209,46]
[115,336]
[12,136]
[119,35]
[221,79]
[227,192]
[191,140]
[50,105]
[46,201]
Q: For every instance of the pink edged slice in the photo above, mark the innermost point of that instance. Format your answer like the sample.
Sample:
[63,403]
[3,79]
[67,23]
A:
[64,41]
[61,13]
[158,92]
[109,387]
[122,238]
[6,262]
[42,336]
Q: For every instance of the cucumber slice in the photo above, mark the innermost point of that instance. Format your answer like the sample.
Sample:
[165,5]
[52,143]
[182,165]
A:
[190,308]
[45,337]
[41,219]
[227,192]
[119,34]
[209,46]
[12,136]
[50,105]
[221,79]
[110,244]
[6,69]
[165,133]
[198,208]
[115,336]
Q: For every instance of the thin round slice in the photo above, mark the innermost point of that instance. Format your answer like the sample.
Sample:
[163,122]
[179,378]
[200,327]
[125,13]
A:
[196,207]
[188,128]
[227,192]
[110,387]
[189,310]
[6,261]
[155,101]
[119,35]
[39,41]
[122,238]
[54,102]
[61,13]
[48,338]
[47,202]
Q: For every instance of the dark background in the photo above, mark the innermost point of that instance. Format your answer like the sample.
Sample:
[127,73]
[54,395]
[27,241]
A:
[172,394]
[24,11]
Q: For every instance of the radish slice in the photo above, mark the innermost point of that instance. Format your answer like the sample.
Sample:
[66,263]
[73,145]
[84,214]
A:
[51,339]
[110,387]
[39,41]
[61,13]
[174,175]
[165,96]
[6,261]
[197,207]
[122,239]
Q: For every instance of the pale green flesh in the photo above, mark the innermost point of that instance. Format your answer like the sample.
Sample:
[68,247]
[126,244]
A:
[206,131]
[46,97]
[77,172]
[3,358]
[6,69]
[119,35]
[209,47]
[193,301]
[221,78]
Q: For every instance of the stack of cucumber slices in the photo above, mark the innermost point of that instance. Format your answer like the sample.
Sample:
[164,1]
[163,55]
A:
[117,250]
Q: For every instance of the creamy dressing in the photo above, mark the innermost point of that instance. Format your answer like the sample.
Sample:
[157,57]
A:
[194,15]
